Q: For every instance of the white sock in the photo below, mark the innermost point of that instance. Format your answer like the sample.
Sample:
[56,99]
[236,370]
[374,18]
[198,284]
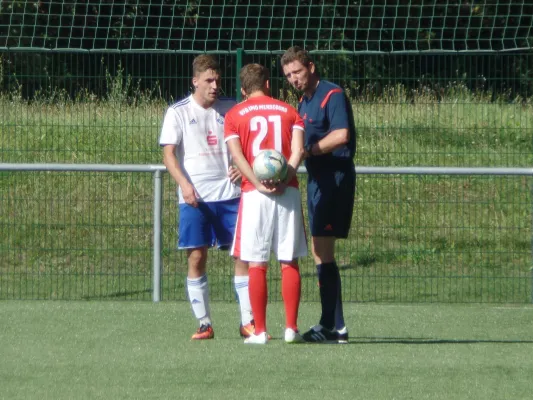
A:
[241,287]
[199,297]
[342,331]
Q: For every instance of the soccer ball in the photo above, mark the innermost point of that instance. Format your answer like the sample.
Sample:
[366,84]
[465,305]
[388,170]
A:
[270,165]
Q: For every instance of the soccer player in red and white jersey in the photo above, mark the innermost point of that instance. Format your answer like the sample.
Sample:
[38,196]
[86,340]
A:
[270,214]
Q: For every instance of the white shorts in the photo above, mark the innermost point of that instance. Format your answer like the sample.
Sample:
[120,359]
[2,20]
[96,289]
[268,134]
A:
[268,223]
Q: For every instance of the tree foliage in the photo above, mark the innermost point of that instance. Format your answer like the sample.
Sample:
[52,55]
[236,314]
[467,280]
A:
[366,45]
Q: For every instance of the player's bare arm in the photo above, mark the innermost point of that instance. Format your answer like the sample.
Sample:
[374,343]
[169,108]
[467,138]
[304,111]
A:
[332,141]
[235,149]
[171,162]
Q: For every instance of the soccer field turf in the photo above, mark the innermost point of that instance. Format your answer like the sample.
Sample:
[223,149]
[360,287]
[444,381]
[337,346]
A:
[141,350]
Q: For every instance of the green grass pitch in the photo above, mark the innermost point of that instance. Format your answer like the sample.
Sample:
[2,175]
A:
[141,350]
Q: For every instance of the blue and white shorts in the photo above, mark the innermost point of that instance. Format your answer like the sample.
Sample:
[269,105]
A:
[210,224]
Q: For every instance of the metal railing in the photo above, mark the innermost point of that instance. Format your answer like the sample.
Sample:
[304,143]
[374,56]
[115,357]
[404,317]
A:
[158,170]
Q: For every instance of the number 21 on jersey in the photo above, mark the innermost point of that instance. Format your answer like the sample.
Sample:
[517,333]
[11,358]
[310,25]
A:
[260,125]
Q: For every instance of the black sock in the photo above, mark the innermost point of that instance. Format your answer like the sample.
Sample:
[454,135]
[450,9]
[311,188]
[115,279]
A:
[328,280]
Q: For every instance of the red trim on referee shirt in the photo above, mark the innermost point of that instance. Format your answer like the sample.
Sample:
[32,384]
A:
[324,102]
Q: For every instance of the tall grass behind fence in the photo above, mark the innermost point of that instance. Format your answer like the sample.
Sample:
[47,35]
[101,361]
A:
[414,238]
[89,235]
[440,110]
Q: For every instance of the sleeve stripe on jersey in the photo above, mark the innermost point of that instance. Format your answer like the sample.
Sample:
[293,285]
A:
[231,136]
[325,101]
[300,127]
[181,103]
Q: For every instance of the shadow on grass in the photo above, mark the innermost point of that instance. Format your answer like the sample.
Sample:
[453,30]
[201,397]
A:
[399,340]
[116,295]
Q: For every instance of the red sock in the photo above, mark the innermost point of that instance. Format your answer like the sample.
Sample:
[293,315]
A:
[257,287]
[291,290]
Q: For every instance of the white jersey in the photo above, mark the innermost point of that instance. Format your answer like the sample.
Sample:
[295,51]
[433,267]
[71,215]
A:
[198,134]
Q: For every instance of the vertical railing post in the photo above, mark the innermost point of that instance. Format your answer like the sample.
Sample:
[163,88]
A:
[238,95]
[158,194]
[531,280]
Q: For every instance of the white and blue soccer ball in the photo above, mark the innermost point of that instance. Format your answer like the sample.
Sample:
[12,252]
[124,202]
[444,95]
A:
[270,165]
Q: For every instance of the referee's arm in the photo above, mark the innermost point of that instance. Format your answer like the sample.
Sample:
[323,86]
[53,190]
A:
[332,141]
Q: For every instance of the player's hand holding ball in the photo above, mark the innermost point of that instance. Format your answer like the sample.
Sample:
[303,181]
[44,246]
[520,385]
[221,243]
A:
[270,167]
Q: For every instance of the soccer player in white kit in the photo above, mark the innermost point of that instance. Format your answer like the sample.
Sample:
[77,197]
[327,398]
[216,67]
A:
[270,215]
[197,158]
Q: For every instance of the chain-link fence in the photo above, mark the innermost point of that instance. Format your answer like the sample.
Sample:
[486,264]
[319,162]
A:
[431,85]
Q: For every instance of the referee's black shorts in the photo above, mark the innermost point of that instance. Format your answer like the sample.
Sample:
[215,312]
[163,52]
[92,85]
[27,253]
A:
[330,201]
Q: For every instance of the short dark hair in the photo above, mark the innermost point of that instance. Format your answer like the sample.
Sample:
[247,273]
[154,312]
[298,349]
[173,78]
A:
[205,62]
[253,77]
[296,53]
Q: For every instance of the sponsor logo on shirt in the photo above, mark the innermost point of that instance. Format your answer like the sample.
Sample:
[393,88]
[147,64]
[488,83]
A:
[212,139]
